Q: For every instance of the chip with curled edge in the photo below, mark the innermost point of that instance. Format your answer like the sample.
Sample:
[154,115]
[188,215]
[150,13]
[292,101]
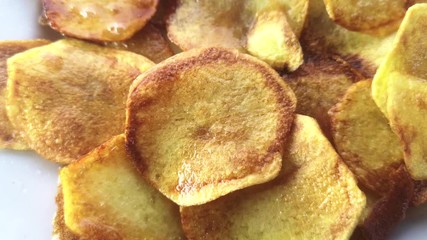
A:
[314,197]
[207,122]
[69,96]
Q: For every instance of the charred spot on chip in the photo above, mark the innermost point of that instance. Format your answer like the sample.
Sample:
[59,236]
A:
[69,96]
[290,205]
[100,21]
[197,120]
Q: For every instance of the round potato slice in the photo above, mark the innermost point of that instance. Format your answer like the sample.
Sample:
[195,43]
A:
[69,96]
[207,122]
[364,139]
[109,20]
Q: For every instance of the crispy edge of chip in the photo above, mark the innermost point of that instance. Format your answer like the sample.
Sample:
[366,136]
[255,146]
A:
[303,126]
[10,136]
[197,57]
[52,12]
[60,230]
[314,65]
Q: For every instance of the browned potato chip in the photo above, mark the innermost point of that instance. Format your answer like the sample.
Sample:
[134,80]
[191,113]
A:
[364,52]
[314,197]
[108,20]
[69,96]
[364,139]
[105,198]
[369,16]
[267,29]
[207,122]
[60,230]
[319,84]
[9,136]
[148,42]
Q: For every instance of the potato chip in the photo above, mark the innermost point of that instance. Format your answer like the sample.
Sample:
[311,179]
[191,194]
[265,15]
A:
[267,29]
[363,138]
[207,122]
[69,96]
[367,16]
[109,20]
[400,89]
[319,84]
[363,51]
[148,42]
[314,197]
[106,198]
[10,137]
[60,230]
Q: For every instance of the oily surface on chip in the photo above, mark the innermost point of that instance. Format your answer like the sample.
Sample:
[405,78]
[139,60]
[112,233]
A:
[69,96]
[314,197]
[364,140]
[318,85]
[9,136]
[366,15]
[267,29]
[363,51]
[400,88]
[99,20]
[148,42]
[207,122]
[105,197]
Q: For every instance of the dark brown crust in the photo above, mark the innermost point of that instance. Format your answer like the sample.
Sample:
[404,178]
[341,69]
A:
[389,210]
[420,193]
[51,12]
[167,72]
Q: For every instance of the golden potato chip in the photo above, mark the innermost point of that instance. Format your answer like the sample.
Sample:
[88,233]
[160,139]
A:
[389,210]
[319,84]
[272,40]
[368,16]
[109,20]
[267,29]
[69,96]
[148,42]
[400,89]
[363,51]
[105,197]
[314,197]
[60,230]
[10,137]
[207,122]
[364,139]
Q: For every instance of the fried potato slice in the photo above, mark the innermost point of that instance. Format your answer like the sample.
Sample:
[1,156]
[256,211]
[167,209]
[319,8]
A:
[272,40]
[368,16]
[60,230]
[106,198]
[207,122]
[148,42]
[319,84]
[363,51]
[364,139]
[108,20]
[69,96]
[314,197]
[273,37]
[9,136]
[400,88]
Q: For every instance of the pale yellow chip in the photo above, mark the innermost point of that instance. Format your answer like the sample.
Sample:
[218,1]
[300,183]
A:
[105,197]
[375,17]
[267,29]
[148,42]
[69,96]
[108,20]
[315,197]
[319,84]
[364,140]
[9,136]
[207,122]
[400,89]
[363,51]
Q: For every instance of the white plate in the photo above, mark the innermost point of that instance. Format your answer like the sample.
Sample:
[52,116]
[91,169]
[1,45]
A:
[28,183]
